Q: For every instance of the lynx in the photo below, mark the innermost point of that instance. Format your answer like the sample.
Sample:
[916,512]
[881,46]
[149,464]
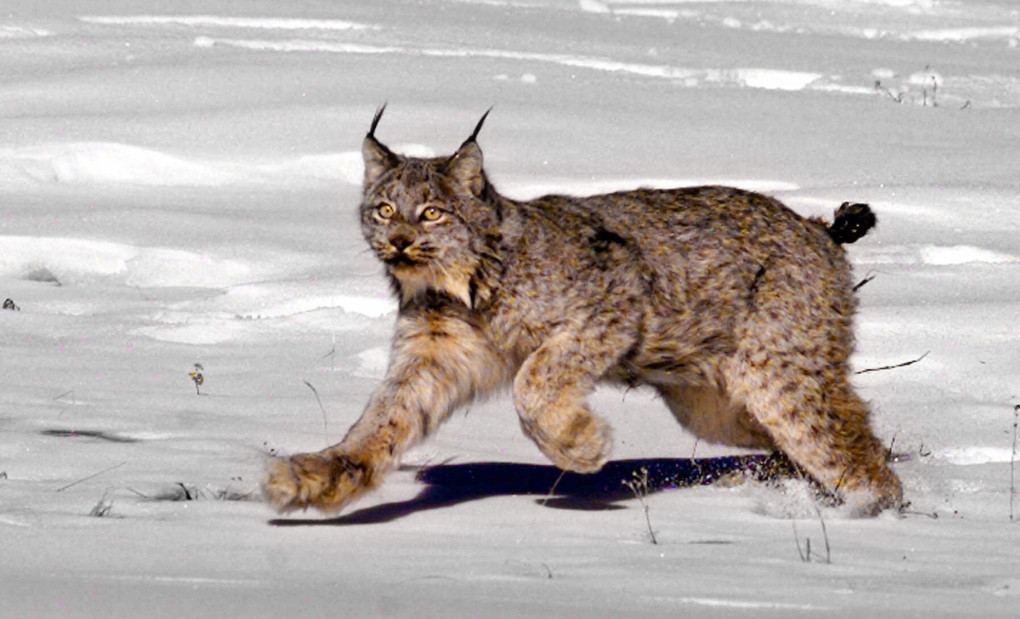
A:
[735,309]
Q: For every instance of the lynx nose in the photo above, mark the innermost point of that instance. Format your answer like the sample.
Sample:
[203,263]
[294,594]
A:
[400,241]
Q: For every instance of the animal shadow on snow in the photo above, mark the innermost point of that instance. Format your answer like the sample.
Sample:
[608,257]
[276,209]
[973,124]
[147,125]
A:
[447,485]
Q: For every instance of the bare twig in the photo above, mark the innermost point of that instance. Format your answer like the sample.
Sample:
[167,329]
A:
[84,479]
[1012,463]
[552,490]
[325,429]
[805,553]
[825,536]
[137,493]
[892,367]
[188,496]
[639,486]
[332,350]
[65,394]
[898,98]
[867,278]
[796,539]
[103,507]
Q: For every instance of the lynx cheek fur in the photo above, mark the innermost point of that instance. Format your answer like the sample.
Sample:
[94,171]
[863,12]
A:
[734,308]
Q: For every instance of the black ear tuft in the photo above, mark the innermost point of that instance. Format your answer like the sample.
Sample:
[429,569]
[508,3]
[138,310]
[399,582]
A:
[852,222]
[375,121]
[478,127]
[465,166]
[378,158]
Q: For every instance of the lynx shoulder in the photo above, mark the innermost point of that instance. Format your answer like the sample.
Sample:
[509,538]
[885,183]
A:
[736,310]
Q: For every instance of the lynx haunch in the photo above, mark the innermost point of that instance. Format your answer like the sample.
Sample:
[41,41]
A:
[735,309]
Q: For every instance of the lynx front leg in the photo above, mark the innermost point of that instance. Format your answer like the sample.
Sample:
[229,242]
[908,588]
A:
[550,391]
[439,362]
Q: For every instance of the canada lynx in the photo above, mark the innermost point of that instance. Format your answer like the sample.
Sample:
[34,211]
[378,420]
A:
[734,308]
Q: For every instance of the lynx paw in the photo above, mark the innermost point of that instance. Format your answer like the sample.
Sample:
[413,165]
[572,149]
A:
[583,446]
[881,494]
[323,481]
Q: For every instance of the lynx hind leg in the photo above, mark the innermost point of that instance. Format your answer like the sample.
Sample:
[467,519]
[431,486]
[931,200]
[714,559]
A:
[826,432]
[791,370]
[550,391]
[817,420]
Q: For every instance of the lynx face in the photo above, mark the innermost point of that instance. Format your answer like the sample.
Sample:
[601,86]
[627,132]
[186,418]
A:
[424,220]
[411,222]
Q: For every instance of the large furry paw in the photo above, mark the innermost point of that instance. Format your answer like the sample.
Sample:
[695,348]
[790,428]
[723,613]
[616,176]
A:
[321,480]
[582,446]
[882,493]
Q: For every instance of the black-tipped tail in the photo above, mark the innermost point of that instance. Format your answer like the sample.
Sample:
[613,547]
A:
[852,222]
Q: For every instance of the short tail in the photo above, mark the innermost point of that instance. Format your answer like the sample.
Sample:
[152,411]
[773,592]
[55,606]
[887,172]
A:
[852,222]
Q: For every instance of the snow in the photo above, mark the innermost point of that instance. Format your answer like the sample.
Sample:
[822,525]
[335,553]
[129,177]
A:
[178,185]
[219,21]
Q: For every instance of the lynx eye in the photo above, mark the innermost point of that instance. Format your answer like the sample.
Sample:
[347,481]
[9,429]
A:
[431,214]
[385,211]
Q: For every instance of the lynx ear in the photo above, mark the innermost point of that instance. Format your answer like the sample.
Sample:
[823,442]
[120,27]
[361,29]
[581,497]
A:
[465,166]
[377,157]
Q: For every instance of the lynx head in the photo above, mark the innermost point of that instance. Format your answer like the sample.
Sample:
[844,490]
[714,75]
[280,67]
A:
[432,222]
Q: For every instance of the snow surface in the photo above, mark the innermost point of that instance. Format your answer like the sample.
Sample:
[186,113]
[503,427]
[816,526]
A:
[178,184]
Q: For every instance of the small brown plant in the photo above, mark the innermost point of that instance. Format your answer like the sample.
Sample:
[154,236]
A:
[197,377]
[638,484]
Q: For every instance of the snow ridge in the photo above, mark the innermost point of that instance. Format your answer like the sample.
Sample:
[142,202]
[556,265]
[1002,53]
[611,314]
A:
[90,163]
[750,77]
[216,21]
